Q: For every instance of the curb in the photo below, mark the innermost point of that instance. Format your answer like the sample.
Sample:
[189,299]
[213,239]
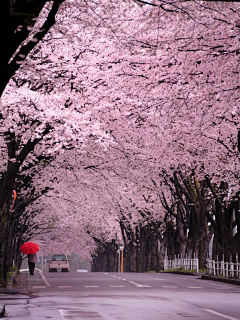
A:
[225,280]
[44,278]
[183,273]
[2,310]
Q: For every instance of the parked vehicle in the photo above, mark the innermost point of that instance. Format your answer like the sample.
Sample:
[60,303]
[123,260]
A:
[81,270]
[59,262]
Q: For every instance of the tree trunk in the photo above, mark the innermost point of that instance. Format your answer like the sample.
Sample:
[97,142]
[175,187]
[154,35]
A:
[181,242]
[105,259]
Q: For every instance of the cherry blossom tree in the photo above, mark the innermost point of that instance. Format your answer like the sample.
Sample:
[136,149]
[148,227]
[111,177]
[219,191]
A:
[154,83]
[17,19]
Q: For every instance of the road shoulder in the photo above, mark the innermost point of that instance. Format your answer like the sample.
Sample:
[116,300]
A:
[219,279]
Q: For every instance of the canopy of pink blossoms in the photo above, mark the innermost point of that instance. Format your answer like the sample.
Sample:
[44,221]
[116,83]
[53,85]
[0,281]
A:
[129,89]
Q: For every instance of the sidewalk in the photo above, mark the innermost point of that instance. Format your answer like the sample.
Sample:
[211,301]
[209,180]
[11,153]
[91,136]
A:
[23,282]
[15,297]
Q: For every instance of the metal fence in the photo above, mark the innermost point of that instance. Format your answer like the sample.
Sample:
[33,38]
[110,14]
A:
[224,269]
[182,263]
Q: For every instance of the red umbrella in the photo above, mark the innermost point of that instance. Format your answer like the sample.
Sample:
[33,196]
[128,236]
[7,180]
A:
[29,248]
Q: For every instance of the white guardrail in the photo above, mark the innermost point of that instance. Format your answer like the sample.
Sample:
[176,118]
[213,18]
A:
[182,263]
[224,269]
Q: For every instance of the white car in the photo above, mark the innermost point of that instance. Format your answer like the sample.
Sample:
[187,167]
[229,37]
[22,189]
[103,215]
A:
[59,262]
[81,270]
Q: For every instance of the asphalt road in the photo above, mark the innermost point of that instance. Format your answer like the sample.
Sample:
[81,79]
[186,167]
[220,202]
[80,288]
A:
[123,296]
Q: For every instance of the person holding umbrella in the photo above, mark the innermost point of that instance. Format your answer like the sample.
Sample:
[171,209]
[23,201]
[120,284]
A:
[32,259]
[30,248]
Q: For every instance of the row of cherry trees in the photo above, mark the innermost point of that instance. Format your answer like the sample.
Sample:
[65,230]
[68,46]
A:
[120,123]
[16,146]
[198,213]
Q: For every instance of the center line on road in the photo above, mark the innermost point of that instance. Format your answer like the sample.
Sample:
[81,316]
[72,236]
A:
[133,283]
[39,287]
[194,287]
[117,286]
[64,287]
[221,315]
[91,286]
[158,280]
[138,285]
[142,286]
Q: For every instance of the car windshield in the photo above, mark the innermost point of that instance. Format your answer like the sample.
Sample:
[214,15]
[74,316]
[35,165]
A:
[58,257]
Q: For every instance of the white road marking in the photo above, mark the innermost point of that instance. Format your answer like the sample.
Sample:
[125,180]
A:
[158,279]
[117,286]
[91,286]
[77,314]
[133,282]
[62,312]
[44,278]
[142,286]
[221,315]
[63,287]
[67,313]
[39,287]
[138,285]
[220,286]
[194,287]
[171,287]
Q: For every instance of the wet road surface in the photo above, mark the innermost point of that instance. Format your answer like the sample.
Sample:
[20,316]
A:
[121,296]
